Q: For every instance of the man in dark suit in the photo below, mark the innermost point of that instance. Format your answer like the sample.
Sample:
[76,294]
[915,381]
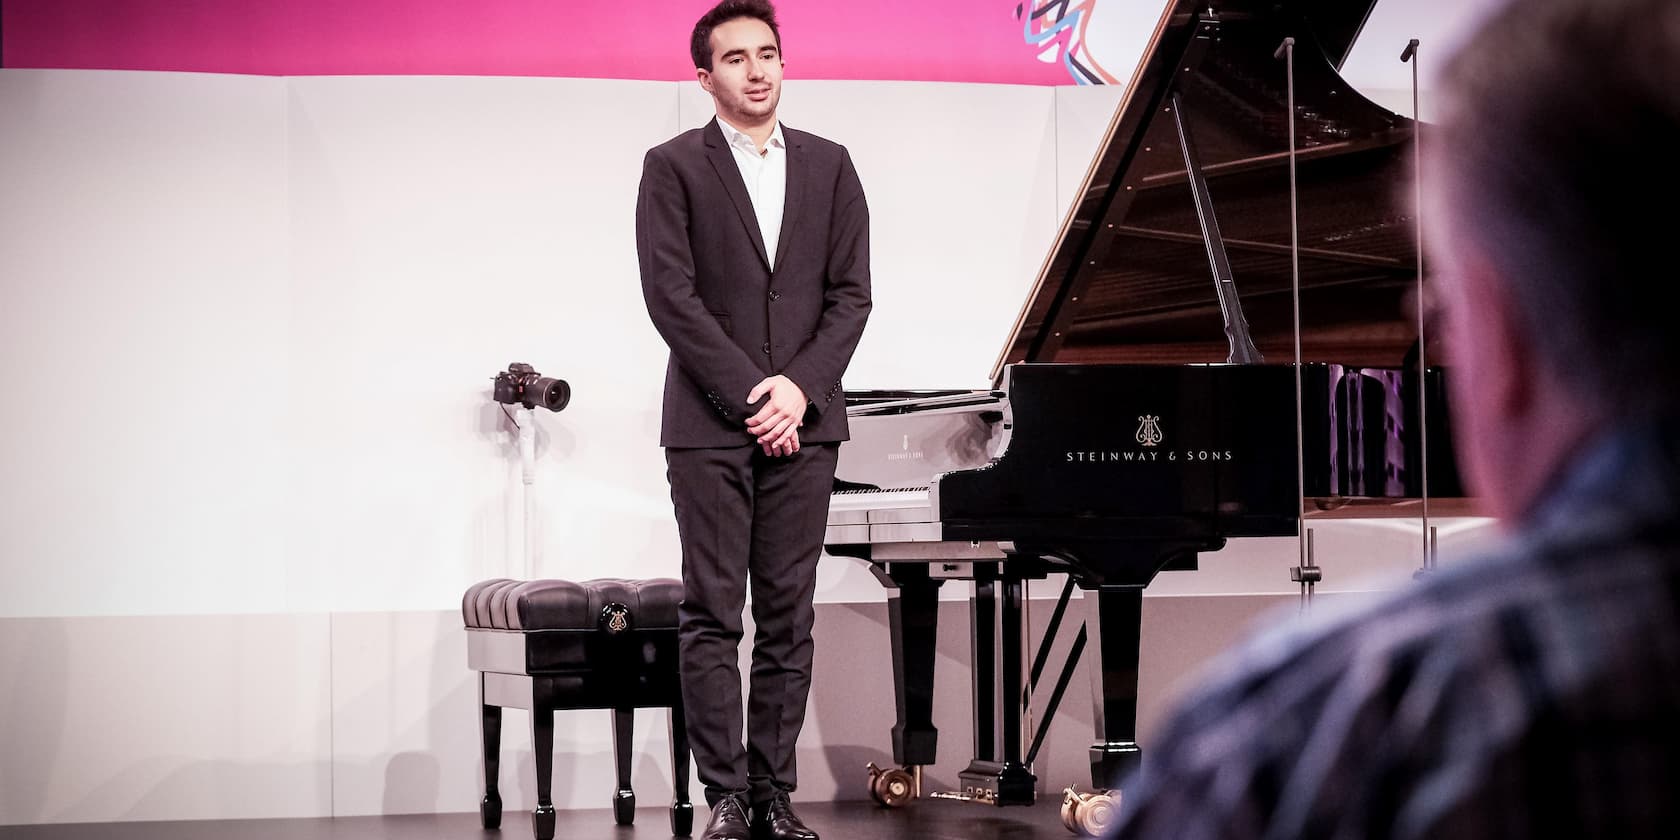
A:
[753,241]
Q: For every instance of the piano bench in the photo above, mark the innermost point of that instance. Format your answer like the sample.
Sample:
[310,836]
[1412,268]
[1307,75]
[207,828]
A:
[543,645]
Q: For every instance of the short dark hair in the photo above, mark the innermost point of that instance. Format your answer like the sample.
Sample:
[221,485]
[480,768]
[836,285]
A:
[700,44]
[1559,126]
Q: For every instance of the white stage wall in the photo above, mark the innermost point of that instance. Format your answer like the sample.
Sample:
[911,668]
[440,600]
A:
[251,322]
[251,462]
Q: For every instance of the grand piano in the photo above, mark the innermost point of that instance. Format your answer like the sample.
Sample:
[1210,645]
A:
[1137,419]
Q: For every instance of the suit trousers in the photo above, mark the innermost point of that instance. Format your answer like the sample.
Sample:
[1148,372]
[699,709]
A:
[744,516]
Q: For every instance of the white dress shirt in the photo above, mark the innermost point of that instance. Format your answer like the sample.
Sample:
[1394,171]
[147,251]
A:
[765,174]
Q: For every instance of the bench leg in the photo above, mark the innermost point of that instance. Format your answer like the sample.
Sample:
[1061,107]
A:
[490,809]
[682,811]
[624,799]
[542,743]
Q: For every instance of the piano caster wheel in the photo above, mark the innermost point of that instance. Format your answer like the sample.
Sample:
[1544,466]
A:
[624,807]
[490,811]
[892,788]
[1089,814]
[682,819]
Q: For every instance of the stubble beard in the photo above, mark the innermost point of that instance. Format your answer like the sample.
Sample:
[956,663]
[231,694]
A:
[754,111]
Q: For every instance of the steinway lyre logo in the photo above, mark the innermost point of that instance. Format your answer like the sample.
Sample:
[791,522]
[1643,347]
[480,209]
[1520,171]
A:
[905,453]
[1149,429]
[615,618]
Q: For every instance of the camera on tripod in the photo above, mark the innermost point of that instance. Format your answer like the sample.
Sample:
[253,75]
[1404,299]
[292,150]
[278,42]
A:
[520,384]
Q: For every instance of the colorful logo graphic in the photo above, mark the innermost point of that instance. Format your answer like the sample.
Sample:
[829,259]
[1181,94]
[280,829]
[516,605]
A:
[1057,29]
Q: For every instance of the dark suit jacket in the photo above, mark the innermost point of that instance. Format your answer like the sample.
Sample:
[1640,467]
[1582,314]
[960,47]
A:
[729,317]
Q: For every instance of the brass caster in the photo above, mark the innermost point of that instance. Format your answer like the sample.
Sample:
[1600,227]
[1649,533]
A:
[1070,803]
[891,788]
[1090,814]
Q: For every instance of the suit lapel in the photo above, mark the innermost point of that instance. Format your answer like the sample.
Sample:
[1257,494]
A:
[796,171]
[729,172]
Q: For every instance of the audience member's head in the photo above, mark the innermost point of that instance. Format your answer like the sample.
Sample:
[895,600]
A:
[1529,691]
[1547,184]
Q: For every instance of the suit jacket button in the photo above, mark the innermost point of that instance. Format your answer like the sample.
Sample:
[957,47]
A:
[766,348]
[775,295]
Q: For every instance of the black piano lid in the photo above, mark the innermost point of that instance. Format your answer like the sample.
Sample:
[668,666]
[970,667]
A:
[1127,280]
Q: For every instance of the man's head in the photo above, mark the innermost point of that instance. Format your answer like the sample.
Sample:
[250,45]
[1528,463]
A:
[737,51]
[1559,124]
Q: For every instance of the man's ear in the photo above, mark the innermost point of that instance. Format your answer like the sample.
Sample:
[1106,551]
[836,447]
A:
[705,77]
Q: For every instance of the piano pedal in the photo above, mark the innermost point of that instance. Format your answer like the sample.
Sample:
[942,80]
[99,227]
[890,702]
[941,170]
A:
[893,788]
[979,796]
[1090,814]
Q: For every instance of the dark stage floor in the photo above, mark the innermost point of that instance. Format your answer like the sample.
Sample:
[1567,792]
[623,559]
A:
[924,820]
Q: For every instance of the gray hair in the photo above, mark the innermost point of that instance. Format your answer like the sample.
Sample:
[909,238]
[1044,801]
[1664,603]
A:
[1560,122]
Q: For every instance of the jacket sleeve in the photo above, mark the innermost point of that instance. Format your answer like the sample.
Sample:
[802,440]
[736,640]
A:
[698,343]
[817,367]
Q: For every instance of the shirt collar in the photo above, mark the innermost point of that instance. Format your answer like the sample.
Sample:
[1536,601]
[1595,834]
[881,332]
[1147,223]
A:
[739,139]
[1630,474]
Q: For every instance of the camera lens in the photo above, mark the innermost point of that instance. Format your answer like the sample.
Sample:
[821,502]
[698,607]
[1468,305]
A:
[551,393]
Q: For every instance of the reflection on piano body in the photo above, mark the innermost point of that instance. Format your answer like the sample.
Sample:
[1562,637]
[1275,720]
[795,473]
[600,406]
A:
[1120,440]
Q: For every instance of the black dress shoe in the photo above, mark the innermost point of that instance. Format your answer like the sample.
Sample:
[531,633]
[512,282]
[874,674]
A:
[729,821]
[775,820]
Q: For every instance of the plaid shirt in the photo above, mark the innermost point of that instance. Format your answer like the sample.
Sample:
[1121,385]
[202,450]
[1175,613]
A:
[1534,692]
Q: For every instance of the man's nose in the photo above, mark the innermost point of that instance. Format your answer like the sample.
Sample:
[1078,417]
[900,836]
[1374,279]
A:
[755,69]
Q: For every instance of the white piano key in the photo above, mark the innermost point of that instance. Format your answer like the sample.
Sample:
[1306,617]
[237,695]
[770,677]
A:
[951,552]
[905,514]
[894,532]
[879,506]
[846,535]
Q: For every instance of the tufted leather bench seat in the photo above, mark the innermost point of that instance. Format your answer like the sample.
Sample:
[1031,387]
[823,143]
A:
[543,645]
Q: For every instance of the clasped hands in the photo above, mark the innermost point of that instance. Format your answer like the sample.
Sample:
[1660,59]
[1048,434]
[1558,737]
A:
[776,425]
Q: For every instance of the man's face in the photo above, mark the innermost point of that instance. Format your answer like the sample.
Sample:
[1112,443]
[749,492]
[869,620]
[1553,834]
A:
[1476,324]
[746,74]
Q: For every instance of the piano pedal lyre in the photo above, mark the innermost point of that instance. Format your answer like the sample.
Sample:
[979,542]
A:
[894,788]
[1090,814]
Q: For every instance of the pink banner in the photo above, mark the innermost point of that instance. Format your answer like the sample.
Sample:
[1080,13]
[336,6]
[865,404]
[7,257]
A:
[921,40]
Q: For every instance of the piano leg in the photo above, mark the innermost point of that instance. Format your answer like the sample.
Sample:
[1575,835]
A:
[542,743]
[490,733]
[1115,625]
[624,798]
[913,618]
[682,810]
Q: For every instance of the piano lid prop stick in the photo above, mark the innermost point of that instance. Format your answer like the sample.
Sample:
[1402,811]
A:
[1286,51]
[1406,55]
[1307,574]
[1242,347]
